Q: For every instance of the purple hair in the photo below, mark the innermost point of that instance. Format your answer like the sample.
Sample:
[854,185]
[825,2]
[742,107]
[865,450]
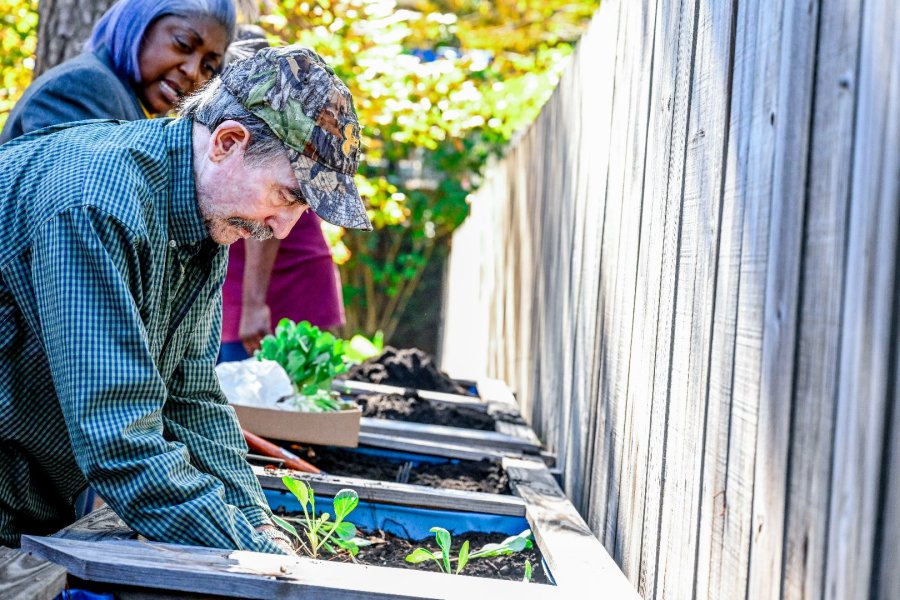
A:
[121,29]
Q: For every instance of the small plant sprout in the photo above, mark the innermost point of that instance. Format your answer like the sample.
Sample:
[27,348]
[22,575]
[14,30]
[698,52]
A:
[528,574]
[317,533]
[510,545]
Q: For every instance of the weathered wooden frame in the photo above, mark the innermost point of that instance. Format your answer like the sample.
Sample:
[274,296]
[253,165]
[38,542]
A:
[97,548]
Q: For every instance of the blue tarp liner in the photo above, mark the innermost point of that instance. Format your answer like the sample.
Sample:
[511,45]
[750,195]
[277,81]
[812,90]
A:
[407,522]
[400,457]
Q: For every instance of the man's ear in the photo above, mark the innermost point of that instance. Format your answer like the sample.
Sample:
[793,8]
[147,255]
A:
[228,138]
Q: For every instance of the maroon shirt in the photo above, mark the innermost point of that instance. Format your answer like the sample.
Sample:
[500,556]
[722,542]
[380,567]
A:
[305,284]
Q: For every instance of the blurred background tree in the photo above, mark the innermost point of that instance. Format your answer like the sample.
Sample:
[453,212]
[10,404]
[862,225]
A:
[18,41]
[440,86]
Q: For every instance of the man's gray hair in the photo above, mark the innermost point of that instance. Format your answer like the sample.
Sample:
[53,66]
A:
[214,104]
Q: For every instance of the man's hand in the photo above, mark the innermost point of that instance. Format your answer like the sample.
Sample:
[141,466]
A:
[256,323]
[281,542]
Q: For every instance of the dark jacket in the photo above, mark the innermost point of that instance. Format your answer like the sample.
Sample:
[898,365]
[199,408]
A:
[84,87]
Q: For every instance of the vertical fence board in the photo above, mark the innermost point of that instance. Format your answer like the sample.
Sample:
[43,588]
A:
[822,283]
[792,45]
[646,310]
[627,193]
[596,115]
[698,245]
[602,475]
[865,364]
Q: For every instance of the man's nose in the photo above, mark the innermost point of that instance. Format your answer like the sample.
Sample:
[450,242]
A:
[283,223]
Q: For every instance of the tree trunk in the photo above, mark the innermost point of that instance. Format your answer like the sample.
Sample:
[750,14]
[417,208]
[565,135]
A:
[63,27]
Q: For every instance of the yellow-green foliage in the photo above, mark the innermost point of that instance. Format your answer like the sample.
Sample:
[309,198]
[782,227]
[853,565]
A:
[497,64]
[18,38]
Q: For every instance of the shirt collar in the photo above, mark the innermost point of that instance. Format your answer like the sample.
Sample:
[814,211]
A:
[186,226]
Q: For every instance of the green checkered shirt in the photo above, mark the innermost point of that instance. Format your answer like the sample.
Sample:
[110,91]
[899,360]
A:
[110,308]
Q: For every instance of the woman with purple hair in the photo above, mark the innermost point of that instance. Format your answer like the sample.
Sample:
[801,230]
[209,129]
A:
[141,59]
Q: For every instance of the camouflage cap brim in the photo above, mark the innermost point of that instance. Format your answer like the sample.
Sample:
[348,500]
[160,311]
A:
[331,195]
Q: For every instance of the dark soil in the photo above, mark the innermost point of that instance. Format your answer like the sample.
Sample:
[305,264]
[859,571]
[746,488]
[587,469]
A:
[392,551]
[399,408]
[389,550]
[408,368]
[471,476]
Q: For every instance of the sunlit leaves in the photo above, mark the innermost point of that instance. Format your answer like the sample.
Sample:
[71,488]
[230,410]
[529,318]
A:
[18,40]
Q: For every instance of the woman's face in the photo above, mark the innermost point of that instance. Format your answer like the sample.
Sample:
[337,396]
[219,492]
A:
[178,55]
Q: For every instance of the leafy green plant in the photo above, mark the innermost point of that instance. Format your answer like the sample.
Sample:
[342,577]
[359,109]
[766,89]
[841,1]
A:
[359,347]
[510,545]
[312,359]
[316,533]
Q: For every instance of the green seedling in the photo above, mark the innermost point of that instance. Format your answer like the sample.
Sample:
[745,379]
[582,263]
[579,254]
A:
[311,357]
[528,575]
[510,545]
[317,533]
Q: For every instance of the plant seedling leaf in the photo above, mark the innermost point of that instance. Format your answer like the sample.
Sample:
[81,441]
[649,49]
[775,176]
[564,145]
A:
[420,555]
[284,525]
[345,531]
[528,573]
[344,503]
[443,539]
[297,488]
[463,557]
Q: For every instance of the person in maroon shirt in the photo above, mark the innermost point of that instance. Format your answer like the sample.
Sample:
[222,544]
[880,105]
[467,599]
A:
[270,280]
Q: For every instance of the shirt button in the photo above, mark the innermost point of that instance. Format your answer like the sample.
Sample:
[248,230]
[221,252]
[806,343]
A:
[172,243]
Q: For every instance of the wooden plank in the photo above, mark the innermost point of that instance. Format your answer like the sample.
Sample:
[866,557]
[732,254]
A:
[700,227]
[386,492]
[101,524]
[824,268]
[454,435]
[604,466]
[627,190]
[869,321]
[643,335]
[673,51]
[364,387]
[26,576]
[393,442]
[887,574]
[595,62]
[243,574]
[792,43]
[495,390]
[577,559]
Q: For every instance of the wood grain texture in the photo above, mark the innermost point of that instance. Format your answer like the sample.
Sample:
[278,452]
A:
[26,576]
[869,319]
[822,286]
[242,574]
[726,394]
[576,557]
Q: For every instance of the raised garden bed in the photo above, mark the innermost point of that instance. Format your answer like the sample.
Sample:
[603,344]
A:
[98,549]
[485,475]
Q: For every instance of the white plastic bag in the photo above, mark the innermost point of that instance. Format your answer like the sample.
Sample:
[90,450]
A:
[252,382]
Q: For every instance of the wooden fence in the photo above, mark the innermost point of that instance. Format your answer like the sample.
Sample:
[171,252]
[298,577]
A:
[687,269]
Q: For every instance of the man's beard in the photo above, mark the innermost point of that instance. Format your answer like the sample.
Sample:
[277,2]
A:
[258,231]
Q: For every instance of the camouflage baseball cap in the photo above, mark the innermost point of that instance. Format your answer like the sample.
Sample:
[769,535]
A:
[311,111]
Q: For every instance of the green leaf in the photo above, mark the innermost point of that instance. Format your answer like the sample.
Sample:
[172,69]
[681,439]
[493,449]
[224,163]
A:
[528,574]
[285,525]
[463,557]
[344,503]
[443,539]
[420,555]
[297,488]
[345,530]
